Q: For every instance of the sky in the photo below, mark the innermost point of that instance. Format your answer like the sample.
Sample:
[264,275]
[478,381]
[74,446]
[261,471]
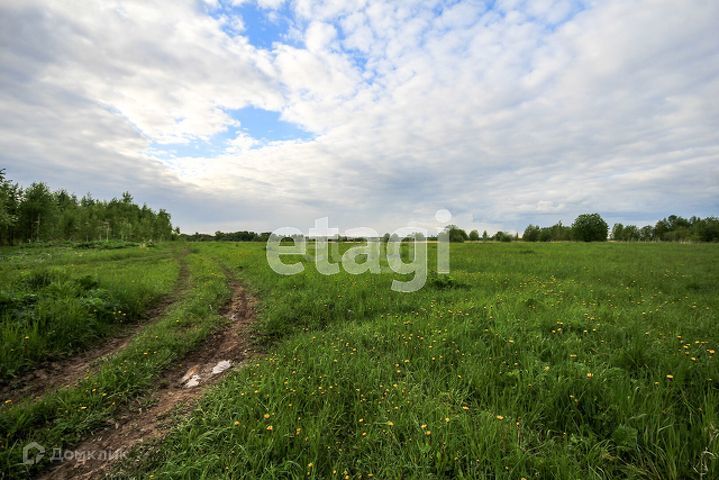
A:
[258,114]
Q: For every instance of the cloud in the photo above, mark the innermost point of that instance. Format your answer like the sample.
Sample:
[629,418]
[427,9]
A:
[506,113]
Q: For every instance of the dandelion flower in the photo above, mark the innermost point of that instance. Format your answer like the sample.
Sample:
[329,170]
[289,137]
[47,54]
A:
[499,417]
[390,423]
[266,415]
[590,375]
[670,377]
[237,423]
[269,428]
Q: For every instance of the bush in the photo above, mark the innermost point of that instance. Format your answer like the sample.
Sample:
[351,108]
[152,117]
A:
[502,237]
[590,227]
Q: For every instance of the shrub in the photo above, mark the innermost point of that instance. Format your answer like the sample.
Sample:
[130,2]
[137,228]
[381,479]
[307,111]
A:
[590,227]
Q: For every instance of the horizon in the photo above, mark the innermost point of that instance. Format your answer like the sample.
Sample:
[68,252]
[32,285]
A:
[442,221]
[254,115]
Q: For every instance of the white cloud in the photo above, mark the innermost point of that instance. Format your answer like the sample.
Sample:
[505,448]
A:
[529,112]
[271,4]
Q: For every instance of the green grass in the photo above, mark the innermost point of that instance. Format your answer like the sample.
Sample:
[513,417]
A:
[535,361]
[54,302]
[539,361]
[63,417]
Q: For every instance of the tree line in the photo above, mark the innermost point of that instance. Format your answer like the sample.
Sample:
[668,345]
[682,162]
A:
[591,227]
[242,236]
[671,229]
[37,214]
[588,227]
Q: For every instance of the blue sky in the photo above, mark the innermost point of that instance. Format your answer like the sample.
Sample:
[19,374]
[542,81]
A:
[265,126]
[257,114]
[260,26]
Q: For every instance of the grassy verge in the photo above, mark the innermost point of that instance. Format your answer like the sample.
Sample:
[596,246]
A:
[541,361]
[64,417]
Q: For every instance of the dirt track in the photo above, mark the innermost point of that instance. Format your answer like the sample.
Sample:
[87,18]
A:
[137,425]
[68,371]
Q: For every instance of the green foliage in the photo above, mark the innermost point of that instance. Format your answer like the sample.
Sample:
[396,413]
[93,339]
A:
[242,236]
[575,361]
[109,245]
[474,235]
[676,228]
[550,365]
[555,233]
[443,281]
[8,205]
[531,233]
[629,233]
[590,227]
[47,311]
[61,417]
[501,236]
[670,229]
[39,215]
[456,234]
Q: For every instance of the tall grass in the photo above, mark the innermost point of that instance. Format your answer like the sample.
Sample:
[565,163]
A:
[541,361]
[54,307]
[60,419]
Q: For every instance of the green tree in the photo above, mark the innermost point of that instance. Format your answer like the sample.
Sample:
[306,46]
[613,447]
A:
[474,235]
[531,233]
[630,233]
[590,227]
[38,213]
[618,232]
[501,236]
[456,234]
[9,209]
[646,233]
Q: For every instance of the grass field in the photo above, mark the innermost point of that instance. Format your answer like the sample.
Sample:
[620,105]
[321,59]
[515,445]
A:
[54,302]
[560,360]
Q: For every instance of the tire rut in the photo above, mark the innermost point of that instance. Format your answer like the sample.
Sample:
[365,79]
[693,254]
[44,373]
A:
[53,375]
[233,343]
